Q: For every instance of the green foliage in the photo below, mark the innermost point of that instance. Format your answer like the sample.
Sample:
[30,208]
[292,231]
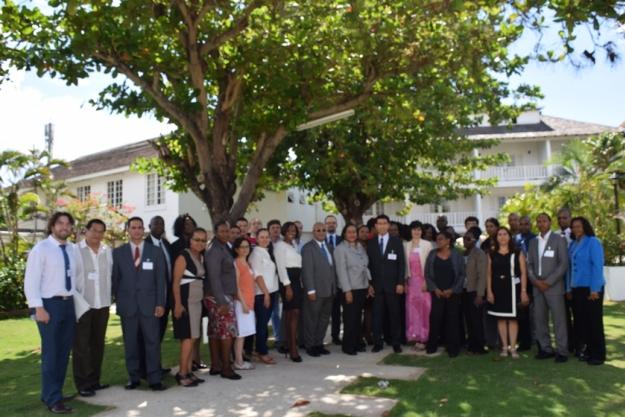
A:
[12,283]
[582,183]
[26,192]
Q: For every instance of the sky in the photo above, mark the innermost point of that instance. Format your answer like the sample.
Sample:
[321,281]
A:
[594,94]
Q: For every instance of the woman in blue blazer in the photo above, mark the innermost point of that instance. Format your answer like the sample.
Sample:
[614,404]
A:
[585,280]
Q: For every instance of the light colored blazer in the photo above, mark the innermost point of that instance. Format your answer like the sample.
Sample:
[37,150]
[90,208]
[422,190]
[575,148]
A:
[424,250]
[553,268]
[352,267]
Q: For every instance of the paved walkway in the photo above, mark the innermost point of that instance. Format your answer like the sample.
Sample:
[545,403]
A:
[267,391]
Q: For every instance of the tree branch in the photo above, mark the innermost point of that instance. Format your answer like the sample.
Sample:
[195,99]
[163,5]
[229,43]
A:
[239,26]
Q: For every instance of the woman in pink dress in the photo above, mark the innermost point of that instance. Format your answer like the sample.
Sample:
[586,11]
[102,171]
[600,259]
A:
[418,301]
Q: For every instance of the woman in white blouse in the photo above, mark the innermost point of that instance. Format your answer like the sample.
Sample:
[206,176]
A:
[263,267]
[289,265]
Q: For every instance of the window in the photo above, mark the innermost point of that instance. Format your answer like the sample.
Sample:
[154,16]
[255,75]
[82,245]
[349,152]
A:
[501,201]
[83,192]
[290,196]
[114,194]
[155,190]
[303,199]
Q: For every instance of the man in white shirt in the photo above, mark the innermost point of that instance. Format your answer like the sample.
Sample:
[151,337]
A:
[49,281]
[93,283]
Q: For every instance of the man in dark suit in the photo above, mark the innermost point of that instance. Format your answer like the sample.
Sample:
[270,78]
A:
[332,240]
[156,238]
[388,272]
[319,282]
[547,262]
[139,287]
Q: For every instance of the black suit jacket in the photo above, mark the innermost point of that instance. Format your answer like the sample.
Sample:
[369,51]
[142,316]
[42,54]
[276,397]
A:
[387,273]
[339,239]
[168,248]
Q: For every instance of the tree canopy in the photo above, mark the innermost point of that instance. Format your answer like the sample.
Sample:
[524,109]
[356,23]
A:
[236,77]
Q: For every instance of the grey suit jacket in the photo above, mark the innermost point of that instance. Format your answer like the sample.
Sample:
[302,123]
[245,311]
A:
[476,270]
[317,273]
[553,268]
[139,291]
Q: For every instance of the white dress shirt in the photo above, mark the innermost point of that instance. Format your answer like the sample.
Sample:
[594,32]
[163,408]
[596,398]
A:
[45,271]
[384,241]
[286,257]
[263,266]
[542,245]
[99,300]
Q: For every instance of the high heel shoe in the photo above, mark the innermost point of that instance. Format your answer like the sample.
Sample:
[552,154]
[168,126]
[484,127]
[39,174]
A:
[181,378]
[297,359]
[194,378]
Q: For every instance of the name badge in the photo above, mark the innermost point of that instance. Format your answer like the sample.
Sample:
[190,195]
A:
[392,257]
[549,253]
[148,266]
[516,280]
[93,276]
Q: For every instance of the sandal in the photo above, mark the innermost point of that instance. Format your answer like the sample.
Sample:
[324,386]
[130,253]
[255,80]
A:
[514,354]
[266,359]
[504,353]
[245,366]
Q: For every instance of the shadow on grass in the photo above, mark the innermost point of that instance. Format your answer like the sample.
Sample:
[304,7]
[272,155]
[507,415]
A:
[20,370]
[489,386]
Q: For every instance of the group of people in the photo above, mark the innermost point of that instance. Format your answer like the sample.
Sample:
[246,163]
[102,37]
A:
[382,282]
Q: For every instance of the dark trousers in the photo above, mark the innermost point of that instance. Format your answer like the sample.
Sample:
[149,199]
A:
[491,334]
[525,328]
[444,310]
[88,350]
[573,344]
[316,317]
[142,332]
[56,342]
[263,315]
[473,319]
[336,314]
[352,320]
[386,310]
[588,323]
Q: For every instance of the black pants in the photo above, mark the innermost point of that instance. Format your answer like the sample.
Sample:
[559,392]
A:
[588,323]
[141,335]
[574,345]
[88,350]
[444,310]
[525,326]
[336,314]
[352,320]
[386,310]
[473,319]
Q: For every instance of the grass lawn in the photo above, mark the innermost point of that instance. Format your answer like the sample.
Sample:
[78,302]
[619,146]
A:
[20,365]
[464,386]
[488,386]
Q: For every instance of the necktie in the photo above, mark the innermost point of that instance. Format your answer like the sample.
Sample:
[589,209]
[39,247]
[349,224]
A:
[326,253]
[137,258]
[382,246]
[68,278]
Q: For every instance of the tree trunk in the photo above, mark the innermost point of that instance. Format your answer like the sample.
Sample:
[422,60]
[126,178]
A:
[353,207]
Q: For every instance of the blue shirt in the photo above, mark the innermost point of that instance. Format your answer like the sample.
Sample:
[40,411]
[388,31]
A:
[585,264]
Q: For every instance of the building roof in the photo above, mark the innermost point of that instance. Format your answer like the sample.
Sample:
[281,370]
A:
[110,159]
[548,127]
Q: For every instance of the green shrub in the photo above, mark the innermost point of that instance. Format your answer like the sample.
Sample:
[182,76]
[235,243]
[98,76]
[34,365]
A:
[12,284]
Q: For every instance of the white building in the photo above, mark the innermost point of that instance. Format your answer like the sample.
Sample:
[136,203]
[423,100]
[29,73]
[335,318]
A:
[531,142]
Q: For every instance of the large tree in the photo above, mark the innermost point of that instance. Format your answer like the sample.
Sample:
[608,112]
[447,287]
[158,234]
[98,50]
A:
[236,76]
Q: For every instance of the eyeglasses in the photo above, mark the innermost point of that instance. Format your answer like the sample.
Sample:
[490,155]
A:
[320,230]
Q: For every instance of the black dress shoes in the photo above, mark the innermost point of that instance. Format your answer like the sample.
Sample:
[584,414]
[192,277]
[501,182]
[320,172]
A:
[397,349]
[60,408]
[323,350]
[98,387]
[132,385]
[233,376]
[594,362]
[313,352]
[561,358]
[376,348]
[86,392]
[544,355]
[159,386]
[350,352]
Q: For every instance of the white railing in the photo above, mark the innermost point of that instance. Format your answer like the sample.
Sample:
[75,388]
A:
[517,173]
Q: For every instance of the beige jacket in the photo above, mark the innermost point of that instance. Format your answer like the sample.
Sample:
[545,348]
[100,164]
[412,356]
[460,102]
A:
[424,249]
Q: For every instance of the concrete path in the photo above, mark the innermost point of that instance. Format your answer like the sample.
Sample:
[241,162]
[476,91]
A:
[267,391]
